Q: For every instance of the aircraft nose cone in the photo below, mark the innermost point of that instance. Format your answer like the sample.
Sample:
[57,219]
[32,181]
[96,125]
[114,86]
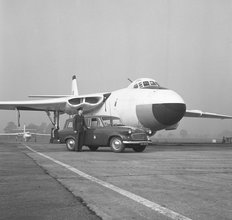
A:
[159,116]
[168,113]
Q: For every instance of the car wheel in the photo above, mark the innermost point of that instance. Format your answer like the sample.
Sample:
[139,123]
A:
[93,148]
[139,148]
[70,144]
[117,145]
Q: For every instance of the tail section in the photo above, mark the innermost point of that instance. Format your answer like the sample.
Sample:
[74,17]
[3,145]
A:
[74,91]
[74,86]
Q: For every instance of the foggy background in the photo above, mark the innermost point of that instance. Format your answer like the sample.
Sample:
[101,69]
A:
[185,45]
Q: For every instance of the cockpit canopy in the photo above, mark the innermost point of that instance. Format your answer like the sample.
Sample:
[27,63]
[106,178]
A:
[144,83]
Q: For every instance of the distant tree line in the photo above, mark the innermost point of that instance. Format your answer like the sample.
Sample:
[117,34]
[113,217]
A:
[43,128]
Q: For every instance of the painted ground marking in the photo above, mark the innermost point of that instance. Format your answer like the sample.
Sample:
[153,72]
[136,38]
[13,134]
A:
[154,206]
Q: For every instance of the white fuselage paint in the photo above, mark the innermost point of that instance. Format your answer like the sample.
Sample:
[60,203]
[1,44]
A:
[122,103]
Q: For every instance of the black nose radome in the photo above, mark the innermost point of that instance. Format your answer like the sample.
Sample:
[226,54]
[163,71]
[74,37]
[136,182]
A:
[169,113]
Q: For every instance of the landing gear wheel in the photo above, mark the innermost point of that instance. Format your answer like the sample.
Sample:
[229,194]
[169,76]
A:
[117,145]
[93,148]
[70,144]
[139,148]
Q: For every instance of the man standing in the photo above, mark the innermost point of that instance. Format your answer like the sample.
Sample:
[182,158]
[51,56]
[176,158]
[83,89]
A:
[79,128]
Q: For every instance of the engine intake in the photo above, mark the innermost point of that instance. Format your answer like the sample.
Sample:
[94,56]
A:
[87,103]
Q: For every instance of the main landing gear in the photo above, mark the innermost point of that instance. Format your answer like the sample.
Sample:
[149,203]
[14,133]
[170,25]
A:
[55,122]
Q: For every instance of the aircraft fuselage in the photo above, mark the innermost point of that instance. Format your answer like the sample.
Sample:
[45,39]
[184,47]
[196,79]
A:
[154,109]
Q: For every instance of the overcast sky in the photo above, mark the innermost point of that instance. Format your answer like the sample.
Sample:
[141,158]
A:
[186,45]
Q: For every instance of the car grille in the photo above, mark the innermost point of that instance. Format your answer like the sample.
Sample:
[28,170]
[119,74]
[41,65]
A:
[139,136]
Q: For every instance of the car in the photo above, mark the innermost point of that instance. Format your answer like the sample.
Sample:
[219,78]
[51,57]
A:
[105,131]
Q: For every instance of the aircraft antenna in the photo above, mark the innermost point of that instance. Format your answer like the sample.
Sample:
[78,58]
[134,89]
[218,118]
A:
[130,80]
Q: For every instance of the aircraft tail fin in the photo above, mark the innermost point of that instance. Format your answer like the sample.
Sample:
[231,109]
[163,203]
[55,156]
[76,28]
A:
[74,86]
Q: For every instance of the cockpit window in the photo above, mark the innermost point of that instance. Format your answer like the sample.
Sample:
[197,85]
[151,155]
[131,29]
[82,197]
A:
[146,83]
[152,83]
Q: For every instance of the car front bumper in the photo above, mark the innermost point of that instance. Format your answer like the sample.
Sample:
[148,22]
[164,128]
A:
[138,142]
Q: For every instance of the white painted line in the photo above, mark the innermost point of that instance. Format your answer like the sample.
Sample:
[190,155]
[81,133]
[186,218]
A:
[154,206]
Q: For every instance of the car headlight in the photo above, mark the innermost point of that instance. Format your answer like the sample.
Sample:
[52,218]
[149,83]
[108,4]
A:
[129,131]
[149,132]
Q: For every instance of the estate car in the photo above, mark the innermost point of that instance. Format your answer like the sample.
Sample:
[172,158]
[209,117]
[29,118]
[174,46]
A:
[105,131]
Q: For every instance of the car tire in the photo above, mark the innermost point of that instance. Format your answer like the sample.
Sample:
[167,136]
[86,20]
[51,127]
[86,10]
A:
[117,145]
[70,144]
[139,148]
[93,148]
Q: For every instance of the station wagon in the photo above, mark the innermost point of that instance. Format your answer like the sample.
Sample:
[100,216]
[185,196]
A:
[105,131]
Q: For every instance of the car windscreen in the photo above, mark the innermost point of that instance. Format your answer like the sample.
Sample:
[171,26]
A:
[110,121]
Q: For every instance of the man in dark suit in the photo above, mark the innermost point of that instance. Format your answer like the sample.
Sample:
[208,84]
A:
[79,127]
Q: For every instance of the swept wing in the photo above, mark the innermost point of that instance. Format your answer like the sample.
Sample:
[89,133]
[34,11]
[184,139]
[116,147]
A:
[18,134]
[63,105]
[201,114]
[59,103]
[35,105]
[10,134]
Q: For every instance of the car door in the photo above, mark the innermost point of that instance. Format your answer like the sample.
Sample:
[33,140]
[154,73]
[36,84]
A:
[88,132]
[97,132]
[67,131]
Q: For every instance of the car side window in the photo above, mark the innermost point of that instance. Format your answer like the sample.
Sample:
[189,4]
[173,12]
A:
[107,122]
[95,122]
[69,124]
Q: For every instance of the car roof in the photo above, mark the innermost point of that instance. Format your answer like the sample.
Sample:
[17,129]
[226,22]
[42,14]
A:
[95,116]
[101,116]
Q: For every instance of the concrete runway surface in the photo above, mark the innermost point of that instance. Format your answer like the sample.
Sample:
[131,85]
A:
[186,181]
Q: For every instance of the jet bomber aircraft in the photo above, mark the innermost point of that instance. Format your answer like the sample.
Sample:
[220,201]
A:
[144,104]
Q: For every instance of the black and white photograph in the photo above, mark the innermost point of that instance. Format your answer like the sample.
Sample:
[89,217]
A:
[116,109]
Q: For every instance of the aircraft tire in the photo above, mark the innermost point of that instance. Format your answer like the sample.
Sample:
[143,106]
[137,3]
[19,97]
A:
[139,148]
[117,145]
[70,144]
[93,148]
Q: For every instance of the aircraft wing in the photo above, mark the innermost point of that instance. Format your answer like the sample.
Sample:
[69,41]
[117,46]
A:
[63,105]
[40,134]
[48,96]
[35,105]
[10,134]
[57,104]
[200,114]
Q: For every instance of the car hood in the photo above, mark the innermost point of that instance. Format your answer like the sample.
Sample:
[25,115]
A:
[134,130]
